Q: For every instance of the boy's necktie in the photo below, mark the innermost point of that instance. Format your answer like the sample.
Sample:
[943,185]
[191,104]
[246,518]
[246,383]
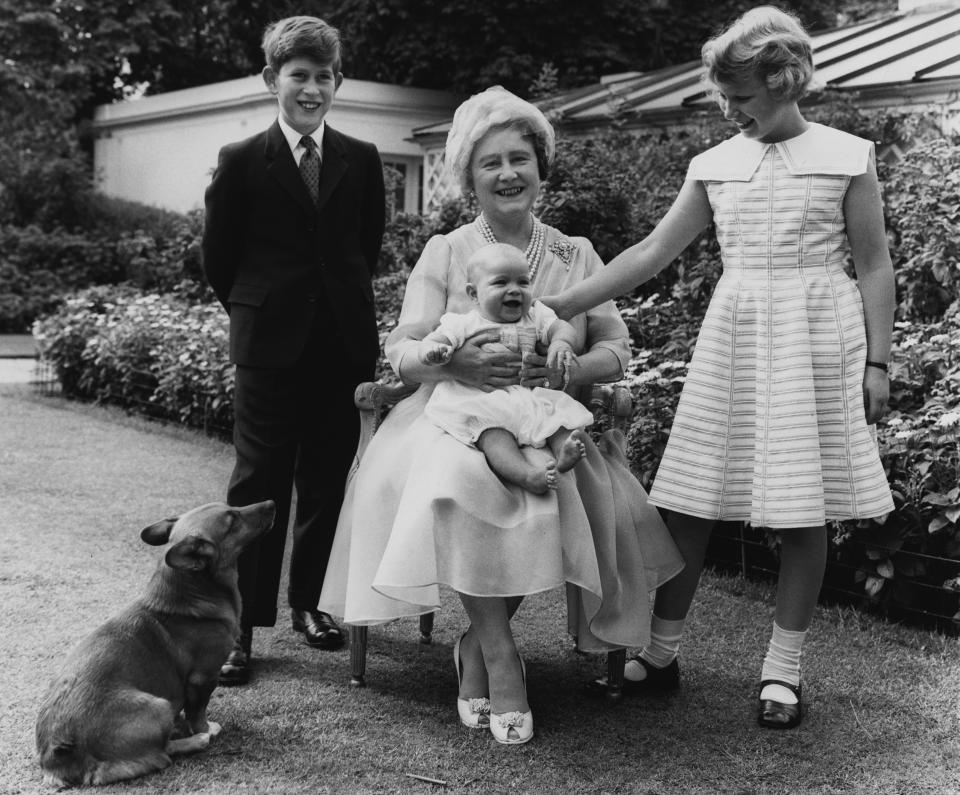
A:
[310,167]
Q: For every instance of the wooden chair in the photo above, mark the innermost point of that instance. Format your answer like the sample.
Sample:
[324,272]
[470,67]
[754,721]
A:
[374,399]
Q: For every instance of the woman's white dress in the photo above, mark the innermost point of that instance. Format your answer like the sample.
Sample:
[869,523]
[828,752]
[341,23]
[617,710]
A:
[770,428]
[423,510]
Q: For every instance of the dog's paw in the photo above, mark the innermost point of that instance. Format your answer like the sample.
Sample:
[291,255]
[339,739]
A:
[213,729]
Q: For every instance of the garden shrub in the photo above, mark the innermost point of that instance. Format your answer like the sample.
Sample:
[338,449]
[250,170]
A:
[902,561]
[923,203]
[160,355]
[38,266]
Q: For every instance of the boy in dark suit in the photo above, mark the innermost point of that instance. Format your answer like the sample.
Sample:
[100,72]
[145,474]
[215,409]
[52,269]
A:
[294,223]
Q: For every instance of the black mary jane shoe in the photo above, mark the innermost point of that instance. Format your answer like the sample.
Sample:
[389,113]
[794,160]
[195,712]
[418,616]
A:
[775,714]
[657,681]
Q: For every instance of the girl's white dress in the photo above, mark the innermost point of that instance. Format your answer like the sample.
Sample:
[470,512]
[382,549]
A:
[770,428]
[531,415]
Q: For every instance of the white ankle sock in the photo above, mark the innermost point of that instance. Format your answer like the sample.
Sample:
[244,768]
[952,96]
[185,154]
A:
[782,662]
[660,651]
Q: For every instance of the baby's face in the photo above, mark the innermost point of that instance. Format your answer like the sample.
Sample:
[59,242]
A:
[502,285]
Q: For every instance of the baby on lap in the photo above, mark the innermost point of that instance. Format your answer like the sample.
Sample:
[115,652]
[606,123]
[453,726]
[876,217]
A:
[501,422]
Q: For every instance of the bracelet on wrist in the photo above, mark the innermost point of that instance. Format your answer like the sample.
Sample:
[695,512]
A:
[878,365]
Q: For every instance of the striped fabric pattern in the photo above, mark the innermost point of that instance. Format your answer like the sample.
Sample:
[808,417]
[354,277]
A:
[770,427]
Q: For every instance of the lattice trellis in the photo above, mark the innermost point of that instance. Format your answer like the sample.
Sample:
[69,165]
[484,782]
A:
[437,184]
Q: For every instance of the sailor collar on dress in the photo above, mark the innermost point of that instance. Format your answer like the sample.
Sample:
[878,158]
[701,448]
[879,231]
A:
[817,150]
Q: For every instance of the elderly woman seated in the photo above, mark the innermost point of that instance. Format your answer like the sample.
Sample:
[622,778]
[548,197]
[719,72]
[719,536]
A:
[425,510]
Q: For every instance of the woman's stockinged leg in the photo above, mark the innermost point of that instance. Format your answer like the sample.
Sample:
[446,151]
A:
[474,681]
[490,624]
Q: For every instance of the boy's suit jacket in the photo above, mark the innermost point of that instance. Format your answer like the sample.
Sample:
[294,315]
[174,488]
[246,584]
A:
[275,260]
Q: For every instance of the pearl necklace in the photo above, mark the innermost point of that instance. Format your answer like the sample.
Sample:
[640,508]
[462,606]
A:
[534,250]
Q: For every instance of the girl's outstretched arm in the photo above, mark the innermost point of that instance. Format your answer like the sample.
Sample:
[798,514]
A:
[863,213]
[688,216]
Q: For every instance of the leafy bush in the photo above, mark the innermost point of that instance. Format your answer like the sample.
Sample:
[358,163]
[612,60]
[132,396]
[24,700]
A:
[152,249]
[158,355]
[923,203]
[38,267]
[907,560]
[406,233]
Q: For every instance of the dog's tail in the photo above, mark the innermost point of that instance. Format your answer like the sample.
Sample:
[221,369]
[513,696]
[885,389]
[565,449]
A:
[64,764]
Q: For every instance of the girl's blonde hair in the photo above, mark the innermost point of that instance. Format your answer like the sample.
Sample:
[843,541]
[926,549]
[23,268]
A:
[766,43]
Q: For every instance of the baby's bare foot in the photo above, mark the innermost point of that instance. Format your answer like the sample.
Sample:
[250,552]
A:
[540,481]
[571,451]
[551,474]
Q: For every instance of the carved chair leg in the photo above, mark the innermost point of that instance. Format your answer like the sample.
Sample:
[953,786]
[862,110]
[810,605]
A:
[616,661]
[358,655]
[426,628]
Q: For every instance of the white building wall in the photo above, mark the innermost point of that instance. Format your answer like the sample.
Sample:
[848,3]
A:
[161,150]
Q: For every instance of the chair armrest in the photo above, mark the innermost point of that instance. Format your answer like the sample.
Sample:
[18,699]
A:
[373,399]
[614,400]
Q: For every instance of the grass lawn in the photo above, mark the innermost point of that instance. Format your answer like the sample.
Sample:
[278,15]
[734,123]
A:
[78,483]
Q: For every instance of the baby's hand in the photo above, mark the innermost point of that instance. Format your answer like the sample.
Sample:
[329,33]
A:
[436,354]
[560,357]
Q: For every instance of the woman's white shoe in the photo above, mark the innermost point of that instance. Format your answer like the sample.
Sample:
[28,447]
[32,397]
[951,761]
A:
[474,712]
[513,728]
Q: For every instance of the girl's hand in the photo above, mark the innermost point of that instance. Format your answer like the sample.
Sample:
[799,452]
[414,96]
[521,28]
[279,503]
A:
[486,370]
[876,393]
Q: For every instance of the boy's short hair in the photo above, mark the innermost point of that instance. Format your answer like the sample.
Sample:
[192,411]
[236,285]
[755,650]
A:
[301,36]
[767,43]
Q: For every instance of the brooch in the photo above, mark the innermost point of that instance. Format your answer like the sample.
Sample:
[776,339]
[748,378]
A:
[564,249]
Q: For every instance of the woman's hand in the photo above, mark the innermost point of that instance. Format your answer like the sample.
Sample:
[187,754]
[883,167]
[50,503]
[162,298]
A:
[486,370]
[876,393]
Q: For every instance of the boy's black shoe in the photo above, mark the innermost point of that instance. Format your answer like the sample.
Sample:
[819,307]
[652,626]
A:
[319,629]
[236,669]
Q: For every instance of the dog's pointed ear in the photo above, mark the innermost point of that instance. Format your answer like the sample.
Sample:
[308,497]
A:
[191,554]
[159,532]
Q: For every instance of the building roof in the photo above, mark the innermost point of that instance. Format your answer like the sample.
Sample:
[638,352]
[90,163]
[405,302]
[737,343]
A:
[917,52]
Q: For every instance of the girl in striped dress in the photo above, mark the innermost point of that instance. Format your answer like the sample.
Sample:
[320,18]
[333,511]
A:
[789,371]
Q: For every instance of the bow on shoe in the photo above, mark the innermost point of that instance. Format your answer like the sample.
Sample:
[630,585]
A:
[480,706]
[511,720]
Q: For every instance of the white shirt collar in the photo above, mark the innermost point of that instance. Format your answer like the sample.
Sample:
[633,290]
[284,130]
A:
[293,137]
